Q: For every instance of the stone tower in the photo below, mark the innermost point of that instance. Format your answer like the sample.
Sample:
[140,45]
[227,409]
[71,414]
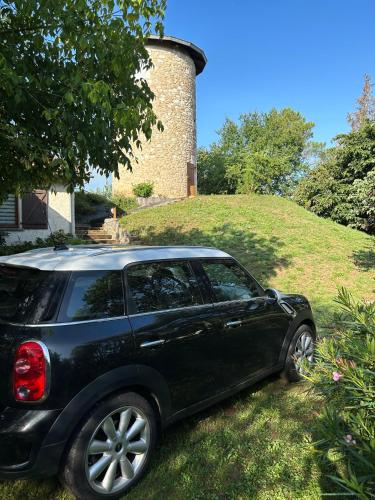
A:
[169,159]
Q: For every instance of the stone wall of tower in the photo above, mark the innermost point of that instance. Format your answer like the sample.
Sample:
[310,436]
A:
[163,160]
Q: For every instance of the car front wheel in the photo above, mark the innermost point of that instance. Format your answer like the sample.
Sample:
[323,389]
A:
[111,449]
[301,351]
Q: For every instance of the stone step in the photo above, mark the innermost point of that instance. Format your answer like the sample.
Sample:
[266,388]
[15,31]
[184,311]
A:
[98,234]
[95,229]
[105,242]
[100,238]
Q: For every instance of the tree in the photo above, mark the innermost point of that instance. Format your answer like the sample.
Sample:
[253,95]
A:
[211,171]
[71,98]
[264,152]
[342,187]
[365,112]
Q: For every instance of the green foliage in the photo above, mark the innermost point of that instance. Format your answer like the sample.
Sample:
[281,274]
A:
[265,153]
[105,191]
[56,238]
[124,203]
[86,202]
[362,199]
[211,171]
[342,187]
[365,111]
[143,189]
[344,374]
[71,98]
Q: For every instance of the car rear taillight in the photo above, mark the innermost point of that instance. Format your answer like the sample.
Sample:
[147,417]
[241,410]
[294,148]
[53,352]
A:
[31,372]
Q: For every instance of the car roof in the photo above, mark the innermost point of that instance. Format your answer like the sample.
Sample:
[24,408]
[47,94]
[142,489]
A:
[97,257]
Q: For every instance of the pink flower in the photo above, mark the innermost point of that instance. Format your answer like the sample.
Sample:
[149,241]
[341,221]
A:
[349,440]
[336,376]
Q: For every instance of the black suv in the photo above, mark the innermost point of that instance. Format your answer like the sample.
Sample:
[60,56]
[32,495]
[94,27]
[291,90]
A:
[102,347]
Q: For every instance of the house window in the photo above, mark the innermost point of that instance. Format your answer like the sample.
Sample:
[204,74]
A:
[9,212]
[34,210]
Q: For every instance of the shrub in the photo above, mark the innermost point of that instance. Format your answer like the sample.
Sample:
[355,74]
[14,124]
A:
[344,374]
[211,170]
[342,186]
[124,202]
[143,189]
[56,238]
[82,204]
[86,202]
[20,247]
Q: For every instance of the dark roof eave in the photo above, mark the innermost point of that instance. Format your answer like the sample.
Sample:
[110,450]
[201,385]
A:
[197,54]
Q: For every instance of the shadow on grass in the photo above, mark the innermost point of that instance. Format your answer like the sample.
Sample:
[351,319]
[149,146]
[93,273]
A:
[365,259]
[260,255]
[252,445]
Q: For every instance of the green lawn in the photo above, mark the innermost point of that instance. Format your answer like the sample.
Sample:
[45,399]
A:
[282,244]
[256,445]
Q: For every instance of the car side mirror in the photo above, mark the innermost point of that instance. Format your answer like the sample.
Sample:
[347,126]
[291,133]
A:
[272,295]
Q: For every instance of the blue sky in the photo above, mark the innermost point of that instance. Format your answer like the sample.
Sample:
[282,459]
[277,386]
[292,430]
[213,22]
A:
[310,55]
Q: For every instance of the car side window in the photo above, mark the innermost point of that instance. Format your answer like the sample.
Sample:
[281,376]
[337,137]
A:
[229,281]
[161,286]
[93,295]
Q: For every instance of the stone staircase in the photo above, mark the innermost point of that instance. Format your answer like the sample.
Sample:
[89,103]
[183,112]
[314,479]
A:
[95,234]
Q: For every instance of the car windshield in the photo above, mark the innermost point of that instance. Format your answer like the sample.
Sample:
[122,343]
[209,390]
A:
[29,295]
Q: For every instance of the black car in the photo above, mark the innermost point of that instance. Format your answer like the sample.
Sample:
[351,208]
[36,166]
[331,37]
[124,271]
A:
[102,347]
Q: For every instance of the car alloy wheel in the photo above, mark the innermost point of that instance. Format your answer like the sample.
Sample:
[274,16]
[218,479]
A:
[117,450]
[304,350]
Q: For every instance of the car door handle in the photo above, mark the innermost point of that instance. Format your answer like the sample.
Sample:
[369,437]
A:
[152,343]
[232,324]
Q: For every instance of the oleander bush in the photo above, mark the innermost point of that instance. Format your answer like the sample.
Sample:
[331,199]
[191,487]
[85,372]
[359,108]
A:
[344,373]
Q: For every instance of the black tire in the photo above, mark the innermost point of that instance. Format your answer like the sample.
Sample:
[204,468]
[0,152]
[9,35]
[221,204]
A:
[290,371]
[74,470]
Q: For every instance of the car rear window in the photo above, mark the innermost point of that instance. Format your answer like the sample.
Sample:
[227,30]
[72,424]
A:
[29,295]
[93,295]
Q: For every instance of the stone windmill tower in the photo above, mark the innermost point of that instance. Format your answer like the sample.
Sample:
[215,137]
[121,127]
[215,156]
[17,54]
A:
[169,159]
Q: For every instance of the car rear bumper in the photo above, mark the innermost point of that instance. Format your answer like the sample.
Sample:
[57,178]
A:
[22,433]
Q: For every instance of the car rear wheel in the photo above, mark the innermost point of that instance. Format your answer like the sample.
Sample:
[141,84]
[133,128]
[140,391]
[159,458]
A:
[301,351]
[111,449]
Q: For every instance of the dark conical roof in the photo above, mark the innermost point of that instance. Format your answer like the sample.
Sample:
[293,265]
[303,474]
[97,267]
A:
[197,54]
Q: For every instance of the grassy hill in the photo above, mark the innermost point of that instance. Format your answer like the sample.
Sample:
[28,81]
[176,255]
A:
[255,445]
[282,244]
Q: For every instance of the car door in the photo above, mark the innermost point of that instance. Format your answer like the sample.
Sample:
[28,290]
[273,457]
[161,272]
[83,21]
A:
[174,328]
[253,329]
